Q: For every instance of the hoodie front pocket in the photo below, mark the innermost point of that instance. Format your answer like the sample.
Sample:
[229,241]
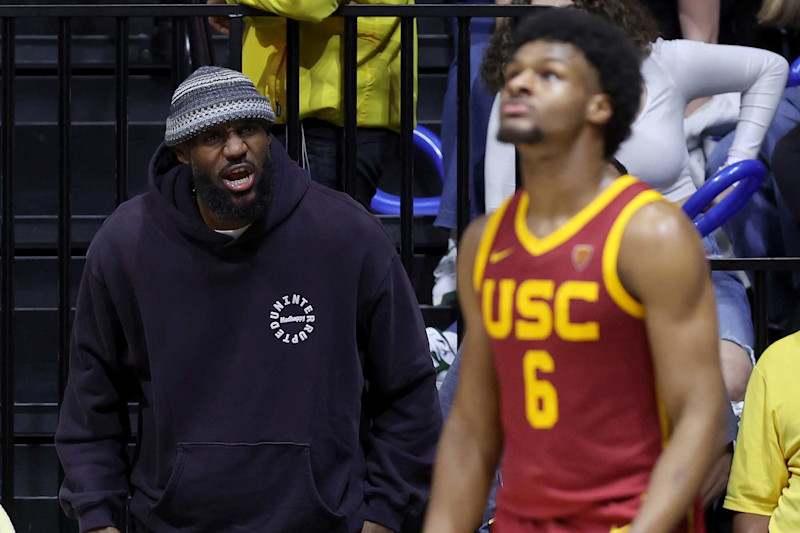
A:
[261,487]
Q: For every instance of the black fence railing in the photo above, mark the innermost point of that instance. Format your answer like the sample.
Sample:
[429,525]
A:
[181,17]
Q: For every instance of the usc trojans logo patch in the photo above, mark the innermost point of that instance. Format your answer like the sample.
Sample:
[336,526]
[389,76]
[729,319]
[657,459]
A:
[581,256]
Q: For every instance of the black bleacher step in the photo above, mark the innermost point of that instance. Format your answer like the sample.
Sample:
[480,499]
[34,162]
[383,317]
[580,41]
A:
[93,98]
[434,52]
[80,26]
[36,281]
[36,369]
[37,468]
[93,166]
[41,51]
[438,316]
[430,25]
[36,351]
[39,514]
[36,365]
[434,49]
[41,232]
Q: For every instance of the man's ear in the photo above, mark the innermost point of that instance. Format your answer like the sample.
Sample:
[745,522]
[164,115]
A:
[182,151]
[599,111]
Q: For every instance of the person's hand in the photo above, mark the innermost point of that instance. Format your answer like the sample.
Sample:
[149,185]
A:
[372,527]
[104,530]
[221,24]
[717,479]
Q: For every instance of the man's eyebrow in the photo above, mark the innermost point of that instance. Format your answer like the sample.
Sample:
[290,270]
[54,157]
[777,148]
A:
[555,59]
[539,62]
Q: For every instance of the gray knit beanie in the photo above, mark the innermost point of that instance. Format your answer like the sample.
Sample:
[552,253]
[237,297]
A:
[211,96]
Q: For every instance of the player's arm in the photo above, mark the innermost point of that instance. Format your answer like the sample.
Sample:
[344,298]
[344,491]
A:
[750,523]
[93,426]
[469,449]
[662,264]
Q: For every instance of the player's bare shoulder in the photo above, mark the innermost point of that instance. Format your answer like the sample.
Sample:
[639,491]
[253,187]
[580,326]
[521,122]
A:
[661,226]
[468,250]
[659,246]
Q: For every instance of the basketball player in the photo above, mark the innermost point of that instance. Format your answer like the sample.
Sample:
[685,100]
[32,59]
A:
[591,327]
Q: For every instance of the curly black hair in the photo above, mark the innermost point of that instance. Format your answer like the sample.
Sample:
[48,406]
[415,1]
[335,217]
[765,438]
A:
[607,49]
[630,16]
[498,52]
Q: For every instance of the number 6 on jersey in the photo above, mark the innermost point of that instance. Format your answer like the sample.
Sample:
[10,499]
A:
[541,399]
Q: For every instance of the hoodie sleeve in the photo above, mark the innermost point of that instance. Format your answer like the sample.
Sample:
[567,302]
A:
[93,425]
[401,402]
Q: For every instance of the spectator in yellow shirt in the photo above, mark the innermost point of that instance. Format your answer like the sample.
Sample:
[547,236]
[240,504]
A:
[764,488]
[321,44]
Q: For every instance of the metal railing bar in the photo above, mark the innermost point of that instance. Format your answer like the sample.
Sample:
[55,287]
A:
[235,42]
[349,104]
[64,216]
[292,89]
[121,124]
[200,44]
[6,324]
[36,498]
[780,264]
[178,50]
[98,69]
[64,198]
[760,321]
[83,217]
[435,10]
[201,10]
[39,310]
[133,10]
[44,439]
[407,84]
[463,125]
[463,210]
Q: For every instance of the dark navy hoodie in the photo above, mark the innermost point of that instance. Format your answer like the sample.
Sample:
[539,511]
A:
[283,378]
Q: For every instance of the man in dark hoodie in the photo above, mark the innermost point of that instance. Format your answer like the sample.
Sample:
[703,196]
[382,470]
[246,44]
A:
[269,334]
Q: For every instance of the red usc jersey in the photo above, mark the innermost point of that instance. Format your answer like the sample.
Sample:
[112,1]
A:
[580,414]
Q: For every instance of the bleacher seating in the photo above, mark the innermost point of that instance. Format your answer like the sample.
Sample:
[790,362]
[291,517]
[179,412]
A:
[93,198]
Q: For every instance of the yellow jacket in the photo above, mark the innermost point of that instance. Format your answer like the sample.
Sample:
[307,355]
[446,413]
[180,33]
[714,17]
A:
[321,44]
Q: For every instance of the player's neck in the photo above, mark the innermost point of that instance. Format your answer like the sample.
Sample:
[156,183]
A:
[562,182]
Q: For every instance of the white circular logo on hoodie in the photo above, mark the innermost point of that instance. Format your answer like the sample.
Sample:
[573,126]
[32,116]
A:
[292,319]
